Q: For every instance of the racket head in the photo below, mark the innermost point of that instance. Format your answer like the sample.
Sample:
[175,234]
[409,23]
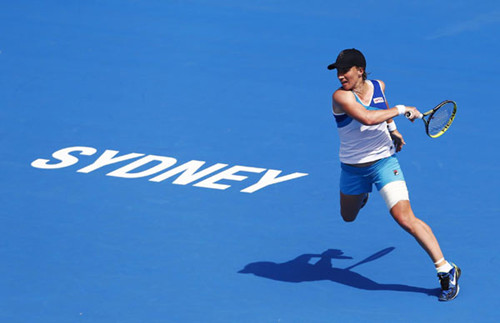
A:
[440,118]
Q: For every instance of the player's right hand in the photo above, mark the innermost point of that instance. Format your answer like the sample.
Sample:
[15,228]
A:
[412,113]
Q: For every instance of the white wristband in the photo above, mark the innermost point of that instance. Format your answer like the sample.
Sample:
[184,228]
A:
[401,109]
[391,126]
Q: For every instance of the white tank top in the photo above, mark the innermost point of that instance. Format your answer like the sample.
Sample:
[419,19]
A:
[360,143]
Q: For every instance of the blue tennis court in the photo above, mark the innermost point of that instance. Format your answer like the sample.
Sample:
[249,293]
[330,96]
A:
[177,161]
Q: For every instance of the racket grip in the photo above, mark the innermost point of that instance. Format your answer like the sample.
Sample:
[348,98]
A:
[409,115]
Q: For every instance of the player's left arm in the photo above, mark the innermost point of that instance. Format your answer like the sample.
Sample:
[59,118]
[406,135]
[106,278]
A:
[396,136]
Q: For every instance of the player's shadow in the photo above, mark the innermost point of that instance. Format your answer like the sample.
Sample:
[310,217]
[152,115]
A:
[301,269]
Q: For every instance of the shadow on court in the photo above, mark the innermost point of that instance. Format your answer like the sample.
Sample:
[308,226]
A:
[301,269]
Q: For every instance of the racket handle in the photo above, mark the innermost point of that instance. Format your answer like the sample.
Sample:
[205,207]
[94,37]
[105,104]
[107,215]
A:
[409,115]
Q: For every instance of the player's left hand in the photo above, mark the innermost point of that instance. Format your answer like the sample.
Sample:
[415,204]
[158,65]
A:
[398,140]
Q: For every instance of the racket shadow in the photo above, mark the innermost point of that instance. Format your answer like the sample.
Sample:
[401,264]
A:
[300,270]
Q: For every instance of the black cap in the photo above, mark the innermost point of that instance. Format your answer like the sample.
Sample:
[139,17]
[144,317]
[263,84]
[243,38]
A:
[349,58]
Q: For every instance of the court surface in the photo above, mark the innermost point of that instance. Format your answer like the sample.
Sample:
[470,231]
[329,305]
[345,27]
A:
[237,95]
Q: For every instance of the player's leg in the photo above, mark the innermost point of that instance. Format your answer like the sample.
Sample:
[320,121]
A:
[404,216]
[354,189]
[390,182]
[351,204]
[395,195]
[448,273]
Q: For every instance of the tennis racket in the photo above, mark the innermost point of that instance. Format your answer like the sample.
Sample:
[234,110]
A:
[439,119]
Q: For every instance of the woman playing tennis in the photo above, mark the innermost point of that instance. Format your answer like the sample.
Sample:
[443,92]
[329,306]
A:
[368,142]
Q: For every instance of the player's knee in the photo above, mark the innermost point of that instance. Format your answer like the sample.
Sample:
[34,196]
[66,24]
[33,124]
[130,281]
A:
[348,219]
[407,221]
[348,216]
[406,225]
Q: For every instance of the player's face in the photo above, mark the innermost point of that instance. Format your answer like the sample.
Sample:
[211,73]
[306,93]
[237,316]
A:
[350,77]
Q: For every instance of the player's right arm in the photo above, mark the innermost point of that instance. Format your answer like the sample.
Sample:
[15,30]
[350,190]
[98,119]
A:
[344,101]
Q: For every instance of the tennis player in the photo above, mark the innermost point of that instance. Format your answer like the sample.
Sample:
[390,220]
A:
[368,142]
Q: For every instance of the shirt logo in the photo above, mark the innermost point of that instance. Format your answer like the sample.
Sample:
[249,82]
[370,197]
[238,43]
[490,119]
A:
[378,100]
[396,173]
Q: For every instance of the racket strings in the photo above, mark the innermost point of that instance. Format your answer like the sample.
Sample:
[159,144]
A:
[440,119]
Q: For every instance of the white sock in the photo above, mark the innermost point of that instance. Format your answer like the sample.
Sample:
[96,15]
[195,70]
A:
[444,268]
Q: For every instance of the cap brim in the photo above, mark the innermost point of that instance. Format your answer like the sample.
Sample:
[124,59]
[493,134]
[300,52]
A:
[332,66]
